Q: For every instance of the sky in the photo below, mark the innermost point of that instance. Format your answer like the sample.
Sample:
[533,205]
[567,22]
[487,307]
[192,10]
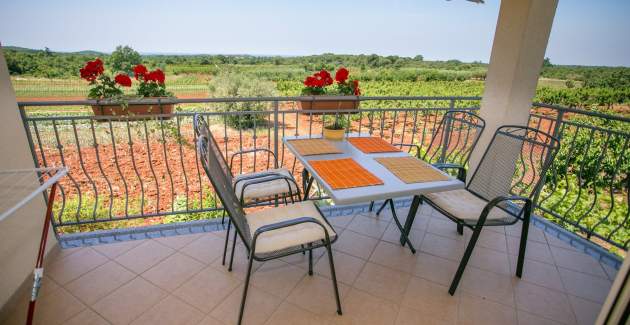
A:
[585,32]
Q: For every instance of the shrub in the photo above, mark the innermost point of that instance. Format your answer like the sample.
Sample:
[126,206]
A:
[235,85]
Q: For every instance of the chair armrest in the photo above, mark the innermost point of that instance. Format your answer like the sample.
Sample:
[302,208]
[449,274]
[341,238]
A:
[410,146]
[494,202]
[461,170]
[246,151]
[285,224]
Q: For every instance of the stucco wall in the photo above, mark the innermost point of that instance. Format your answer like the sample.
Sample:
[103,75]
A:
[20,233]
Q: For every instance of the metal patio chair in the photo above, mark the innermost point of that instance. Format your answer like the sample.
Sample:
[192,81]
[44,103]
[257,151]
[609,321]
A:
[501,190]
[271,233]
[251,188]
[451,145]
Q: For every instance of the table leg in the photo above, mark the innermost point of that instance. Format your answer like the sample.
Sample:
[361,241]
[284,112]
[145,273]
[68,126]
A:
[307,182]
[415,203]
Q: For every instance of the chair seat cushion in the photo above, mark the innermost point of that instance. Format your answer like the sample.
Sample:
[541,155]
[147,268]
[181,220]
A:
[467,207]
[283,238]
[264,190]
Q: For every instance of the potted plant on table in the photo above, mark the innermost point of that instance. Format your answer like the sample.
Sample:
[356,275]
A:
[111,98]
[322,84]
[336,130]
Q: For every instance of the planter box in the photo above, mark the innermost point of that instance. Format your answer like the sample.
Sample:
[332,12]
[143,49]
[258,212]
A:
[327,105]
[132,109]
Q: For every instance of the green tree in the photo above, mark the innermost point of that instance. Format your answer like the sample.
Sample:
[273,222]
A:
[547,63]
[124,58]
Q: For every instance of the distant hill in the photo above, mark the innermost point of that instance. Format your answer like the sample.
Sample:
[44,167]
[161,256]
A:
[27,50]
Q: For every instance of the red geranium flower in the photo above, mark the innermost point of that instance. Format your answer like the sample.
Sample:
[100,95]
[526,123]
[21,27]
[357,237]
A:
[309,81]
[92,70]
[325,77]
[342,75]
[139,70]
[156,75]
[123,80]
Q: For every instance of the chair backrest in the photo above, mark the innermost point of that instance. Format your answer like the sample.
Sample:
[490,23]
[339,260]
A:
[455,138]
[514,163]
[210,157]
[201,128]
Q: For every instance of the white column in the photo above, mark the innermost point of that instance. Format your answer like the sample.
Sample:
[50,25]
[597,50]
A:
[518,52]
[20,232]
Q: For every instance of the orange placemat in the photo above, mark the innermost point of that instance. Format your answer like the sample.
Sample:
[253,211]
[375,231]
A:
[344,173]
[411,170]
[372,144]
[310,147]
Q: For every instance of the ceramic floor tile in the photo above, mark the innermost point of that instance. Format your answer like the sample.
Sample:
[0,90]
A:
[291,314]
[144,256]
[355,244]
[259,306]
[610,271]
[87,317]
[173,271]
[394,256]
[431,299]
[347,267]
[543,302]
[170,311]
[99,282]
[539,273]
[443,247]
[74,265]
[490,260]
[493,286]
[577,261]
[585,311]
[409,316]
[584,285]
[383,282]
[534,233]
[277,277]
[436,269]
[476,310]
[129,301]
[177,242]
[207,289]
[368,226]
[315,294]
[207,248]
[362,308]
[533,250]
[114,250]
[525,318]
[56,308]
[392,235]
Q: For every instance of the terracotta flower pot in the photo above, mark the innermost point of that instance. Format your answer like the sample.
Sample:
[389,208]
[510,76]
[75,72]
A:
[131,109]
[334,135]
[307,105]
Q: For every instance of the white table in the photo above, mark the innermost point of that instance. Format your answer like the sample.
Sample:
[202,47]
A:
[392,186]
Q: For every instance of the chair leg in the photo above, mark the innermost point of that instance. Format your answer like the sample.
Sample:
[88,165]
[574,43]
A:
[460,229]
[464,261]
[378,212]
[523,245]
[310,261]
[404,234]
[371,206]
[223,218]
[333,276]
[233,250]
[227,240]
[249,272]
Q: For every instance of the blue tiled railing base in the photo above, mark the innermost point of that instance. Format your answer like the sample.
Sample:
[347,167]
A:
[192,227]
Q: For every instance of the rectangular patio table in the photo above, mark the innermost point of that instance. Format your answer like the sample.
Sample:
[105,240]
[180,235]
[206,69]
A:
[392,186]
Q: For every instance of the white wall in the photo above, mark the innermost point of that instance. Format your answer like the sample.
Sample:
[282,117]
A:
[19,233]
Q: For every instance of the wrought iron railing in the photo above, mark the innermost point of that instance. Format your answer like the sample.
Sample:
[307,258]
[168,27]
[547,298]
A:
[139,171]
